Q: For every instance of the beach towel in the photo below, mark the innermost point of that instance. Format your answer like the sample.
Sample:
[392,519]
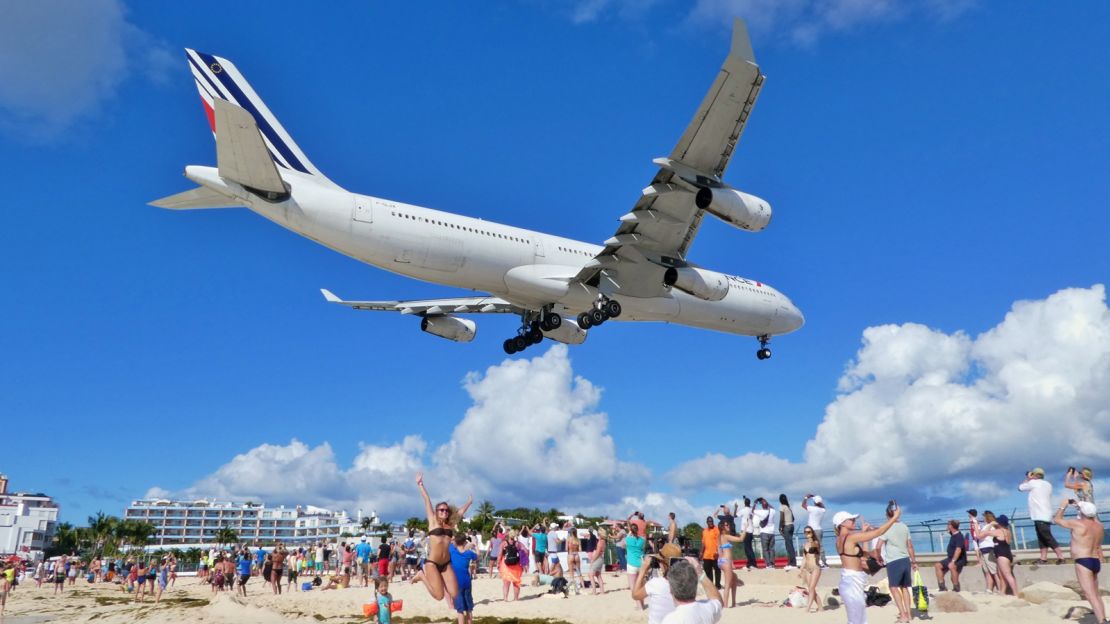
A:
[511,573]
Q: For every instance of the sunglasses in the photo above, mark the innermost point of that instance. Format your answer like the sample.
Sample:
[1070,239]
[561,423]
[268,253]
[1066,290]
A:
[443,509]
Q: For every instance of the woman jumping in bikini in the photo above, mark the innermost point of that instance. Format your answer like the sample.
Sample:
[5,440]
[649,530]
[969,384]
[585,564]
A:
[442,520]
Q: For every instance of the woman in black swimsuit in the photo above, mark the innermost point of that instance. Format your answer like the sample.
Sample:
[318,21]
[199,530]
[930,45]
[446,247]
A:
[1005,556]
[442,520]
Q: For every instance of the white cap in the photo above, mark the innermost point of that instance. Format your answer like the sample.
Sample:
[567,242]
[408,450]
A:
[841,517]
[1087,509]
[818,499]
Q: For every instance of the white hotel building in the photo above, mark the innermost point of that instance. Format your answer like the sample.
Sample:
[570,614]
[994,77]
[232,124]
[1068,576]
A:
[195,523]
[27,522]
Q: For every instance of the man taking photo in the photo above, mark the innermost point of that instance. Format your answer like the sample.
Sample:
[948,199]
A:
[1086,549]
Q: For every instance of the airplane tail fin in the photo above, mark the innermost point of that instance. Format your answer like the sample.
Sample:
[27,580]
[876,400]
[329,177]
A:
[218,79]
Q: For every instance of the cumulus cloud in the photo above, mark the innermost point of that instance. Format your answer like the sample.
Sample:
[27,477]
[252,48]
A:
[807,20]
[61,61]
[527,416]
[936,418]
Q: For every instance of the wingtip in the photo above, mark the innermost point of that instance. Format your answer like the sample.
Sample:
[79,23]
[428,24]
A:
[741,42]
[330,296]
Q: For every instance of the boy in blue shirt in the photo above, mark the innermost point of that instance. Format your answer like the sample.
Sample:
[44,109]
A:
[244,569]
[461,559]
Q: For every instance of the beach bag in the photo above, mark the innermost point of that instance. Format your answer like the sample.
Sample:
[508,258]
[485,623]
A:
[512,554]
[874,598]
[919,594]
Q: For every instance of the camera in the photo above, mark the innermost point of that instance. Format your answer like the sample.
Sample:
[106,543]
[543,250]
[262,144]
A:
[1072,501]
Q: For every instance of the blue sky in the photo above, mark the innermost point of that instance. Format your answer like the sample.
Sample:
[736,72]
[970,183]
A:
[928,167]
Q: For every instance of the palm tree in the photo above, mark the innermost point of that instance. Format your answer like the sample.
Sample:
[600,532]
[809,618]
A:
[103,531]
[192,555]
[485,510]
[134,533]
[367,522]
[226,535]
[65,538]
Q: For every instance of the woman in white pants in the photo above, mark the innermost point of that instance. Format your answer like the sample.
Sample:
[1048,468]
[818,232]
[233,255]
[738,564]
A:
[853,577]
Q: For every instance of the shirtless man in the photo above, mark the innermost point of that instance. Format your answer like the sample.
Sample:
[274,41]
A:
[672,530]
[1086,550]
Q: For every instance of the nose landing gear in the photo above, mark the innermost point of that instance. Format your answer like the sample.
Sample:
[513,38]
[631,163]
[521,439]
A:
[764,353]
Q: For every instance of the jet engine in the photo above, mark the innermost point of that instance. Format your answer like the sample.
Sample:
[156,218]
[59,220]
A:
[449,327]
[703,284]
[734,207]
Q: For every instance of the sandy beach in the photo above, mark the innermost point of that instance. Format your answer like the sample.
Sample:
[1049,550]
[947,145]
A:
[760,597]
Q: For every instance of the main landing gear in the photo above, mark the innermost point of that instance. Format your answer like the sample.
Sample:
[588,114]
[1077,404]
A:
[531,330]
[764,353]
[603,310]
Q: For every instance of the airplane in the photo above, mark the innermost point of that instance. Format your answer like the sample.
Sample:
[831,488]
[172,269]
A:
[559,287]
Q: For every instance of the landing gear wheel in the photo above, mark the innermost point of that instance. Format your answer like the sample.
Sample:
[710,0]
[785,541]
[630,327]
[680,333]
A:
[584,320]
[597,317]
[520,343]
[535,336]
[763,354]
[509,347]
[554,321]
[612,308]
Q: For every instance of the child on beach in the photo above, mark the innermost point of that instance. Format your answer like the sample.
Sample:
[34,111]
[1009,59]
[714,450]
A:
[384,600]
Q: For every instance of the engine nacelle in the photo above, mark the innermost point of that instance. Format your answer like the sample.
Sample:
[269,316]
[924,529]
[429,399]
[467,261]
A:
[567,333]
[734,207]
[703,284]
[449,327]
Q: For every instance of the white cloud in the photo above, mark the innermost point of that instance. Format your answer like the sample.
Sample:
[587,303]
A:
[585,11]
[807,20]
[532,437]
[61,61]
[934,418]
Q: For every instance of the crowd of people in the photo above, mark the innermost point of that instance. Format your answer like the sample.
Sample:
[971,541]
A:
[661,567]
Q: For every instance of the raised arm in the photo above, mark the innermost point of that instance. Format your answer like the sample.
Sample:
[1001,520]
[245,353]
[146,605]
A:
[1060,520]
[462,510]
[871,534]
[428,507]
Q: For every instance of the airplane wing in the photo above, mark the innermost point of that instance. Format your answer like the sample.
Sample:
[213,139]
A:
[665,220]
[432,307]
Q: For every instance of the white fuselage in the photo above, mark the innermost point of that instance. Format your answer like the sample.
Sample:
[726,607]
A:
[521,266]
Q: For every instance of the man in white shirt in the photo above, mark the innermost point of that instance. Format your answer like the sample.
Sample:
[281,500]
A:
[654,588]
[1040,512]
[748,532]
[683,581]
[816,515]
[767,531]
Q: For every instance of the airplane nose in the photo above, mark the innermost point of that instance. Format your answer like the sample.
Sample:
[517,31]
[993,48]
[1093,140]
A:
[790,318]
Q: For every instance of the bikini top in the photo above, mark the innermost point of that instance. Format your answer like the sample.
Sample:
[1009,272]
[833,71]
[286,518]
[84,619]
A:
[859,552]
[726,545]
[813,550]
[440,531]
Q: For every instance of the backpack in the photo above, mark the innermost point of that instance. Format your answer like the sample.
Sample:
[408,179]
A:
[919,594]
[512,554]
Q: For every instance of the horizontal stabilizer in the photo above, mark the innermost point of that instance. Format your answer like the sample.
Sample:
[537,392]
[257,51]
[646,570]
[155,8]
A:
[241,154]
[200,197]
